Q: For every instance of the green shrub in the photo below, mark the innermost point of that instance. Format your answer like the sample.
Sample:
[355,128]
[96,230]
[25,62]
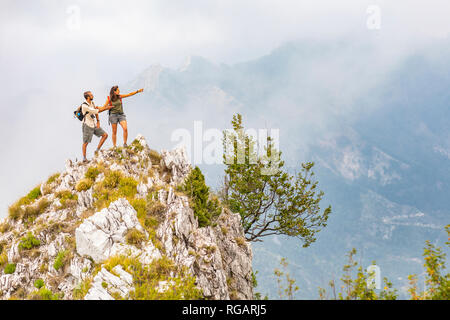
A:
[114,186]
[43,268]
[89,178]
[2,246]
[156,208]
[66,195]
[155,211]
[135,237]
[240,242]
[71,242]
[224,230]
[128,186]
[112,179]
[16,210]
[92,173]
[150,223]
[50,185]
[194,187]
[35,193]
[140,205]
[146,215]
[53,178]
[29,242]
[84,184]
[137,146]
[82,289]
[30,213]
[3,259]
[39,283]
[10,268]
[61,260]
[155,157]
[43,294]
[4,227]
[67,199]
[24,201]
[146,279]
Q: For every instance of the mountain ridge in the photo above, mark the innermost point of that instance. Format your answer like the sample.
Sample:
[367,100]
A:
[376,127]
[119,228]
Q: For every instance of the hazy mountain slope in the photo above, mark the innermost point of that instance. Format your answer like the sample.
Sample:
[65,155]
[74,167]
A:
[376,125]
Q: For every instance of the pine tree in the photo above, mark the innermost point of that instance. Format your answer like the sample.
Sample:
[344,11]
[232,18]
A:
[206,208]
[269,200]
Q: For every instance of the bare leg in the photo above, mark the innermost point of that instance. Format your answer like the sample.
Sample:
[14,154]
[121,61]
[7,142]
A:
[124,126]
[84,150]
[102,141]
[114,133]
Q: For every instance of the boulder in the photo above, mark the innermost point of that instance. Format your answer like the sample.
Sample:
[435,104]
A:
[97,234]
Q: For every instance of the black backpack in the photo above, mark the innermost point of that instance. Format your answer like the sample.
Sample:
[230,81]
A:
[78,112]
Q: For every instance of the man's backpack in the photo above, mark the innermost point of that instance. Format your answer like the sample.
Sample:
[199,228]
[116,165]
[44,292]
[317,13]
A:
[78,113]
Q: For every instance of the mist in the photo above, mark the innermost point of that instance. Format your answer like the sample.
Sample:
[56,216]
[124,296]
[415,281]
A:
[52,53]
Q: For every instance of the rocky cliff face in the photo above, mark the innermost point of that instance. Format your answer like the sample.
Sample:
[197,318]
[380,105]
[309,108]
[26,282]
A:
[119,228]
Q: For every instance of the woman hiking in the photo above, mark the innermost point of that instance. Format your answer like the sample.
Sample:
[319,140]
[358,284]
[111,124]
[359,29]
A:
[116,114]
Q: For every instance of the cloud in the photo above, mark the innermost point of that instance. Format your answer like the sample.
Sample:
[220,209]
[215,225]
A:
[46,65]
[136,33]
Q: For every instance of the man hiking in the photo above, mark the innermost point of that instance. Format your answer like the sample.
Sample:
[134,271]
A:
[90,126]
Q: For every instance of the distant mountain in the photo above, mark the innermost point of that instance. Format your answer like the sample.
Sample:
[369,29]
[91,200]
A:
[377,128]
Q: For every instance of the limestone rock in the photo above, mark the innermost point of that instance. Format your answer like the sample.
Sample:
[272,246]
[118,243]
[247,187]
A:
[96,235]
[177,162]
[105,283]
[79,268]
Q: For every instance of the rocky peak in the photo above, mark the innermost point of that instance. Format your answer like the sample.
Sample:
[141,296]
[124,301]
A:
[119,227]
[148,79]
[196,63]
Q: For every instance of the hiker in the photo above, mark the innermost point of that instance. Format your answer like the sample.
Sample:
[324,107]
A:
[90,126]
[116,114]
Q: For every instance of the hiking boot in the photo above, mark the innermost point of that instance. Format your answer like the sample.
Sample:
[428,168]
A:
[96,152]
[85,160]
[125,145]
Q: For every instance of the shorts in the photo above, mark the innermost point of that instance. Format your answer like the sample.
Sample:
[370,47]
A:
[115,118]
[88,132]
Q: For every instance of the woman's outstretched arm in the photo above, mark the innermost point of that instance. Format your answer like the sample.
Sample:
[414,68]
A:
[131,94]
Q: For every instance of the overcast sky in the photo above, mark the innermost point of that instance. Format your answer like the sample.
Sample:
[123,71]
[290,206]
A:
[57,49]
[44,42]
